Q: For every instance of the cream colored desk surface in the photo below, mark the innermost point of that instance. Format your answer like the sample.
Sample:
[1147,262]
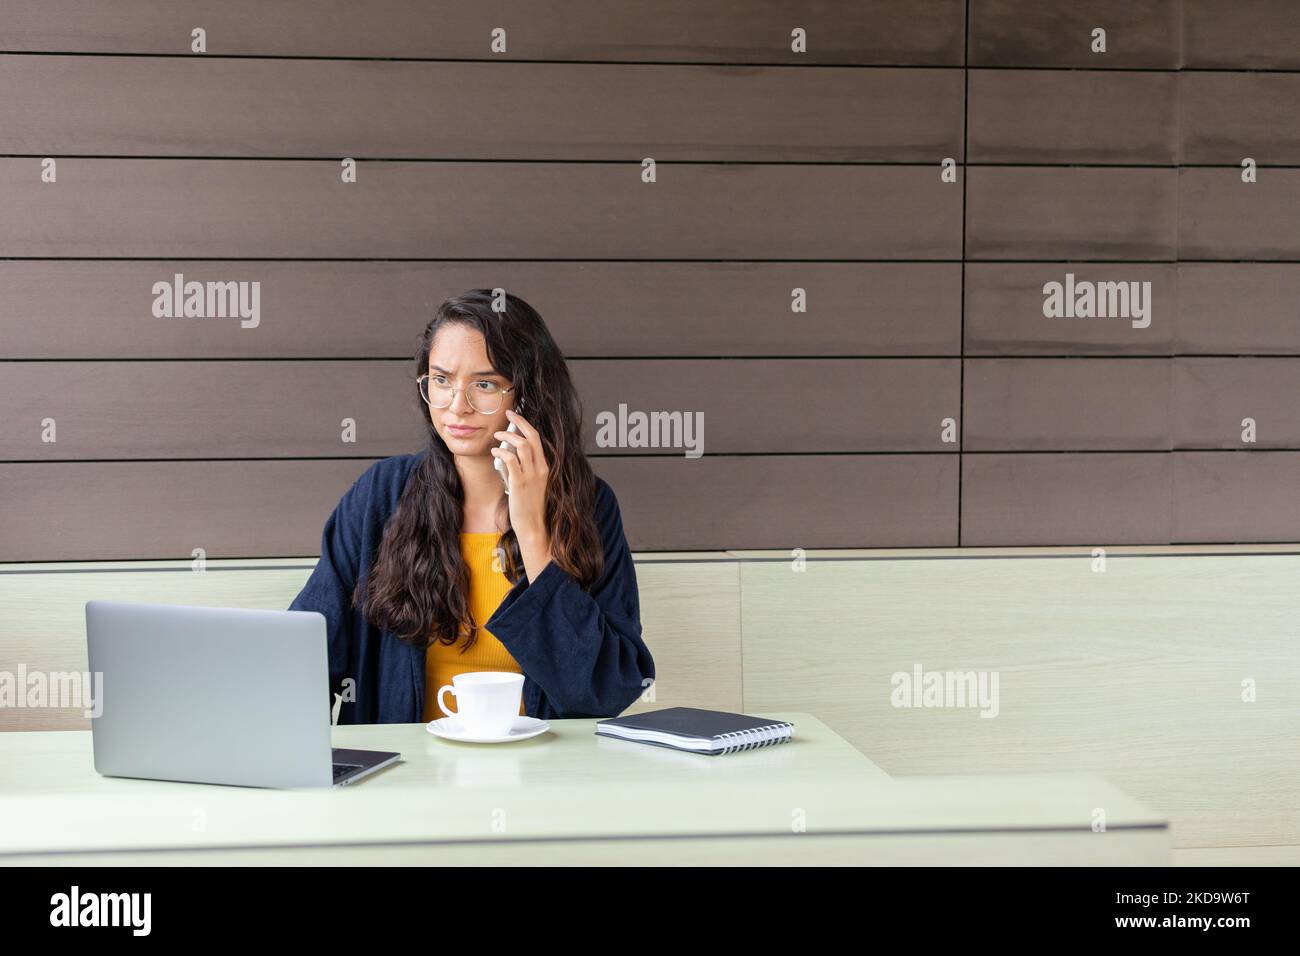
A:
[567,796]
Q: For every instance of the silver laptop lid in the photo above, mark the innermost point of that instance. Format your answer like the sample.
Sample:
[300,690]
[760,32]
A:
[211,695]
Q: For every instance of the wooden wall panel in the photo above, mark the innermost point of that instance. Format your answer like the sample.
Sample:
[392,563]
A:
[1216,308]
[1067,116]
[1135,673]
[289,209]
[1086,499]
[1246,496]
[196,410]
[102,309]
[1005,303]
[1060,213]
[128,510]
[1238,307]
[1132,404]
[1066,404]
[113,510]
[277,409]
[782,501]
[141,106]
[778,171]
[1220,217]
[1141,33]
[1241,35]
[796,406]
[44,626]
[705,31]
[1213,396]
[1226,117]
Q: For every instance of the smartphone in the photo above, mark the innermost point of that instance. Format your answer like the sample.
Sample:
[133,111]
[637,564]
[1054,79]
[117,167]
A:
[499,463]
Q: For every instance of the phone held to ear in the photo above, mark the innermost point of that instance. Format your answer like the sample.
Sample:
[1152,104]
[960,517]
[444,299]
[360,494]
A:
[500,464]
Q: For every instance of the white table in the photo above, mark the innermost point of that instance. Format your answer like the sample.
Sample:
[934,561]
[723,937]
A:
[567,796]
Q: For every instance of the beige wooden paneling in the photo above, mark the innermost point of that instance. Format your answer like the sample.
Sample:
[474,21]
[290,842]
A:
[1135,673]
[690,620]
[710,31]
[44,627]
[690,617]
[141,106]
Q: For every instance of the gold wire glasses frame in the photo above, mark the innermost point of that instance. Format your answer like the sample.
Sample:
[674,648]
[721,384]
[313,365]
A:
[487,402]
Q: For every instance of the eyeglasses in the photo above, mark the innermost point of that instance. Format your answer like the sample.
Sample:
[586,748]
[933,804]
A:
[483,396]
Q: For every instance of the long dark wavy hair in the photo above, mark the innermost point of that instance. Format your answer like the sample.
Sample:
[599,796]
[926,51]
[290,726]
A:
[418,586]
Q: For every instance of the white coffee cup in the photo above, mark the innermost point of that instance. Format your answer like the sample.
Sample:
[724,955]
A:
[487,702]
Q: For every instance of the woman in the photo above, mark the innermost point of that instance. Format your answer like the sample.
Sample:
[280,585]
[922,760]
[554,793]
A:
[428,568]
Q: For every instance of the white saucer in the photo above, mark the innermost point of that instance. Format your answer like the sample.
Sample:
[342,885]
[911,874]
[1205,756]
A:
[449,728]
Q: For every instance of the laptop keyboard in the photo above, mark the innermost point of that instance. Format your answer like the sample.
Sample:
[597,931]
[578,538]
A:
[343,769]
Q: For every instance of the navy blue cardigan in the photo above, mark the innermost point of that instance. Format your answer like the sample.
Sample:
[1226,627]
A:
[581,652]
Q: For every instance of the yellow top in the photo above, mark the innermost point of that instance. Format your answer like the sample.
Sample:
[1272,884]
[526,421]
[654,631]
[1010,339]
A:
[487,588]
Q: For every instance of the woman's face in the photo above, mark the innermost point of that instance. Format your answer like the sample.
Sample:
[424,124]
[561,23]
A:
[458,357]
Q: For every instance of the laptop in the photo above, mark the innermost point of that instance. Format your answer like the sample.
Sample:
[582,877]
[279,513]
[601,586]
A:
[216,695]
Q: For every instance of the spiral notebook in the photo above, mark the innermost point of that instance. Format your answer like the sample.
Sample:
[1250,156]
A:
[699,731]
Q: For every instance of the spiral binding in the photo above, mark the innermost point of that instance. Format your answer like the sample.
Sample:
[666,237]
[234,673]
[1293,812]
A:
[748,739]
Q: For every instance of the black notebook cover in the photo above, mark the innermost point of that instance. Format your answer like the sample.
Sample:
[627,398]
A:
[690,722]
